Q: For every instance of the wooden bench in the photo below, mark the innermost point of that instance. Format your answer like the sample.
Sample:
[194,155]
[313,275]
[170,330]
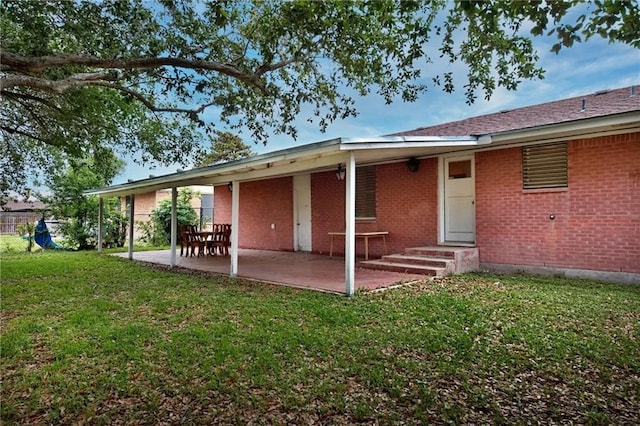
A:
[366,236]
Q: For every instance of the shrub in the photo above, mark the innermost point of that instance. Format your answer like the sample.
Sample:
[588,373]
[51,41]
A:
[151,232]
[27,230]
[161,215]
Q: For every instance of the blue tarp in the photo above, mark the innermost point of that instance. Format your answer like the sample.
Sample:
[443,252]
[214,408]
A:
[43,238]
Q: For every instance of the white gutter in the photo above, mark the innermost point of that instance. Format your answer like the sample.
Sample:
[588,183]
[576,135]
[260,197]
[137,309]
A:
[283,160]
[400,142]
[223,171]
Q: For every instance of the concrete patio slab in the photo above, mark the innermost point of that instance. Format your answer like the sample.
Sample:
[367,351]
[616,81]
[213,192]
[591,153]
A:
[302,270]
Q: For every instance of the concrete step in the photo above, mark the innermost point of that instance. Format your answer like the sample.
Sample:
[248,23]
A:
[437,262]
[406,268]
[432,260]
[466,259]
[449,252]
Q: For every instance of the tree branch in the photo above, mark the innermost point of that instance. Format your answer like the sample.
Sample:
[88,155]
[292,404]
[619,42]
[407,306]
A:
[20,132]
[147,103]
[272,67]
[82,80]
[36,65]
[29,97]
[31,112]
[55,86]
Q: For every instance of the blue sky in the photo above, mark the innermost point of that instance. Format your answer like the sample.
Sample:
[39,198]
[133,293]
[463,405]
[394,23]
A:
[582,69]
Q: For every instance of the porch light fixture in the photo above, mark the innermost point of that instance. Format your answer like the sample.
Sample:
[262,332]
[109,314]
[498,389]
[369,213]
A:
[413,164]
[230,186]
[340,172]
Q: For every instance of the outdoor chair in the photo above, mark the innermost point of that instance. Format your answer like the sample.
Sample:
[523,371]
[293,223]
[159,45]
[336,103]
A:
[199,240]
[221,240]
[184,242]
[192,241]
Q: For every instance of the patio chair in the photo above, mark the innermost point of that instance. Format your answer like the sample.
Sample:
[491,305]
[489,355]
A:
[199,240]
[184,241]
[221,239]
[193,240]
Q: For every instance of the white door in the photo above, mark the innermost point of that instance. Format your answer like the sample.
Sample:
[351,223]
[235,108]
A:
[302,212]
[459,199]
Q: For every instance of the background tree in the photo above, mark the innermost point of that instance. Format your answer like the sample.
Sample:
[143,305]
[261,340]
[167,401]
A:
[225,146]
[77,212]
[77,73]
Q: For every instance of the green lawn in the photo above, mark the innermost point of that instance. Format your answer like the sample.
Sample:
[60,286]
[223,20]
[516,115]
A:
[100,340]
[14,244]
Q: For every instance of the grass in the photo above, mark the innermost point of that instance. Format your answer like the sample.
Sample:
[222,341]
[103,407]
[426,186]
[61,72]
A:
[17,244]
[14,244]
[100,340]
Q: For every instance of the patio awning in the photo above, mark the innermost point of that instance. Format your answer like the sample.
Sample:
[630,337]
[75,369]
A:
[313,157]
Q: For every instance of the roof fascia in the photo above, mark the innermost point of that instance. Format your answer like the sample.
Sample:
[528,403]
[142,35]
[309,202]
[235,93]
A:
[321,154]
[308,157]
[399,142]
[292,167]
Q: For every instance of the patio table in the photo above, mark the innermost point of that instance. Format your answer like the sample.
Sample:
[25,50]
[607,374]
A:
[364,235]
[206,237]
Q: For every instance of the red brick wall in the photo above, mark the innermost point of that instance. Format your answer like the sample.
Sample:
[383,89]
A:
[596,226]
[262,203]
[145,203]
[327,209]
[406,207]
[142,207]
[597,218]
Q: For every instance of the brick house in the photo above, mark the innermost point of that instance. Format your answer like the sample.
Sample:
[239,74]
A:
[550,188]
[585,222]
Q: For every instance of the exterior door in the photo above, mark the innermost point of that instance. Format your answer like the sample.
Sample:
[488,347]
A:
[302,212]
[459,200]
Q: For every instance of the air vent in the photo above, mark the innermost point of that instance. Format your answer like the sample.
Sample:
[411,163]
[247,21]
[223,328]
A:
[545,166]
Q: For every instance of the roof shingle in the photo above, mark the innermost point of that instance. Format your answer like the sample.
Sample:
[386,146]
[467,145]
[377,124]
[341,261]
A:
[23,206]
[603,103]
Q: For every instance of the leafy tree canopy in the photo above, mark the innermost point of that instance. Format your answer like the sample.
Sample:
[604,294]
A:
[225,146]
[79,212]
[140,75]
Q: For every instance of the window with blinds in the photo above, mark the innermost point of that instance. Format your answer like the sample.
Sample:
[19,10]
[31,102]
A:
[366,192]
[545,166]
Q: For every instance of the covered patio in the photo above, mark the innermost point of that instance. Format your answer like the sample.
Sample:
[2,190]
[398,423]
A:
[301,270]
[338,157]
